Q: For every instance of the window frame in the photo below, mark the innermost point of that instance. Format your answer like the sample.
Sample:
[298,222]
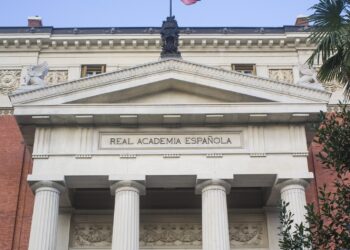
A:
[84,69]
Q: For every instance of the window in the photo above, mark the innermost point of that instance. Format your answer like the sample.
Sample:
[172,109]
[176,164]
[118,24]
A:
[91,70]
[249,69]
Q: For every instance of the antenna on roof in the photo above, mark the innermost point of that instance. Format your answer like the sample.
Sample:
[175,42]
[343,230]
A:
[171,7]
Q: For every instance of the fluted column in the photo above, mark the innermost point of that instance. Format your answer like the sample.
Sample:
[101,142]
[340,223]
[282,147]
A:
[126,223]
[293,192]
[215,228]
[43,233]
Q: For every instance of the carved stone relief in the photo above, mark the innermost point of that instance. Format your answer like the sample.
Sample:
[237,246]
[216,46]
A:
[167,235]
[175,234]
[9,81]
[92,235]
[332,86]
[246,234]
[56,76]
[281,75]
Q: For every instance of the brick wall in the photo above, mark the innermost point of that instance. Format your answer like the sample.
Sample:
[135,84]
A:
[321,175]
[16,197]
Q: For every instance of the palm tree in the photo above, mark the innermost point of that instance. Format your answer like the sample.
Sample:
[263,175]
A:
[331,34]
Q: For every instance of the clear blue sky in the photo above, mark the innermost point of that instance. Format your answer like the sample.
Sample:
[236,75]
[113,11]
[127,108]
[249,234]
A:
[106,13]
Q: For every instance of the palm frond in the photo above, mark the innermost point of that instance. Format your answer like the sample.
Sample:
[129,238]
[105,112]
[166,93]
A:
[331,34]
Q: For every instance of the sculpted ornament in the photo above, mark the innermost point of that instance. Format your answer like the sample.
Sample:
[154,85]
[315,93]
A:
[308,77]
[35,75]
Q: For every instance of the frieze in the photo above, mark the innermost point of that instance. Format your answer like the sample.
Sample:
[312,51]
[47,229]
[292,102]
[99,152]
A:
[56,76]
[92,235]
[282,75]
[9,81]
[167,235]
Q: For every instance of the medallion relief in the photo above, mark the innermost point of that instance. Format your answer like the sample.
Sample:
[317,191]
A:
[9,81]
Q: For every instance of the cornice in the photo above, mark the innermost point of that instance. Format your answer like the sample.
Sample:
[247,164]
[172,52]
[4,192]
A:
[6,111]
[150,41]
[172,65]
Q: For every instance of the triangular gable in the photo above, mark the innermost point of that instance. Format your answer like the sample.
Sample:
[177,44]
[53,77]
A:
[175,73]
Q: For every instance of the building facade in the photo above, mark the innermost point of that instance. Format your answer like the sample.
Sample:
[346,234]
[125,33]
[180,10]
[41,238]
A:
[124,150]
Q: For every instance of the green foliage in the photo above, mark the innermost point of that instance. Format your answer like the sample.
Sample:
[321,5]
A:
[334,135]
[293,237]
[327,227]
[331,34]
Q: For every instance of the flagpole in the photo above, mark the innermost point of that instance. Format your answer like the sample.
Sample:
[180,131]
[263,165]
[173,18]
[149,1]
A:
[171,8]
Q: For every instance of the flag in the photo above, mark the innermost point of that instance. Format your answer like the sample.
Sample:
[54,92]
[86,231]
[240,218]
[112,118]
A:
[189,2]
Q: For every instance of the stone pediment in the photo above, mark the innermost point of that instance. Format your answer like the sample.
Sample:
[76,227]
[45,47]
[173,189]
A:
[173,82]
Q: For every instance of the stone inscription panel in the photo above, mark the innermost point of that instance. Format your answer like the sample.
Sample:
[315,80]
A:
[154,141]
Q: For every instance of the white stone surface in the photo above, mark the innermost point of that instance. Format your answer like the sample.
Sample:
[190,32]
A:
[273,224]
[43,233]
[63,233]
[215,229]
[5,101]
[293,192]
[126,223]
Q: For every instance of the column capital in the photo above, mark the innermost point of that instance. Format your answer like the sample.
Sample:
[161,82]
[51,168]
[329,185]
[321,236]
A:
[128,185]
[291,182]
[59,186]
[213,183]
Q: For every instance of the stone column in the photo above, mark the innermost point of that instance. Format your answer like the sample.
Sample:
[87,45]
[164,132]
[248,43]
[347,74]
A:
[43,233]
[126,223]
[215,228]
[293,192]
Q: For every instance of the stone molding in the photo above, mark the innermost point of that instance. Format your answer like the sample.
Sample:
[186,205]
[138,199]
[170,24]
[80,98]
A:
[171,65]
[128,185]
[292,183]
[213,184]
[152,42]
[47,184]
[6,111]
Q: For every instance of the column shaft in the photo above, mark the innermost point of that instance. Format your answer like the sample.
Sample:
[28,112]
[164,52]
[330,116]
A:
[43,234]
[215,217]
[126,224]
[293,192]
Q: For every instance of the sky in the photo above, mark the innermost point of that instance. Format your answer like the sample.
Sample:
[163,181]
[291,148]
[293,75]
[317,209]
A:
[146,13]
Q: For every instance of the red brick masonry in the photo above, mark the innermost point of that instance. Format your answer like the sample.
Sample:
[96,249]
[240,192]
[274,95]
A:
[16,199]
